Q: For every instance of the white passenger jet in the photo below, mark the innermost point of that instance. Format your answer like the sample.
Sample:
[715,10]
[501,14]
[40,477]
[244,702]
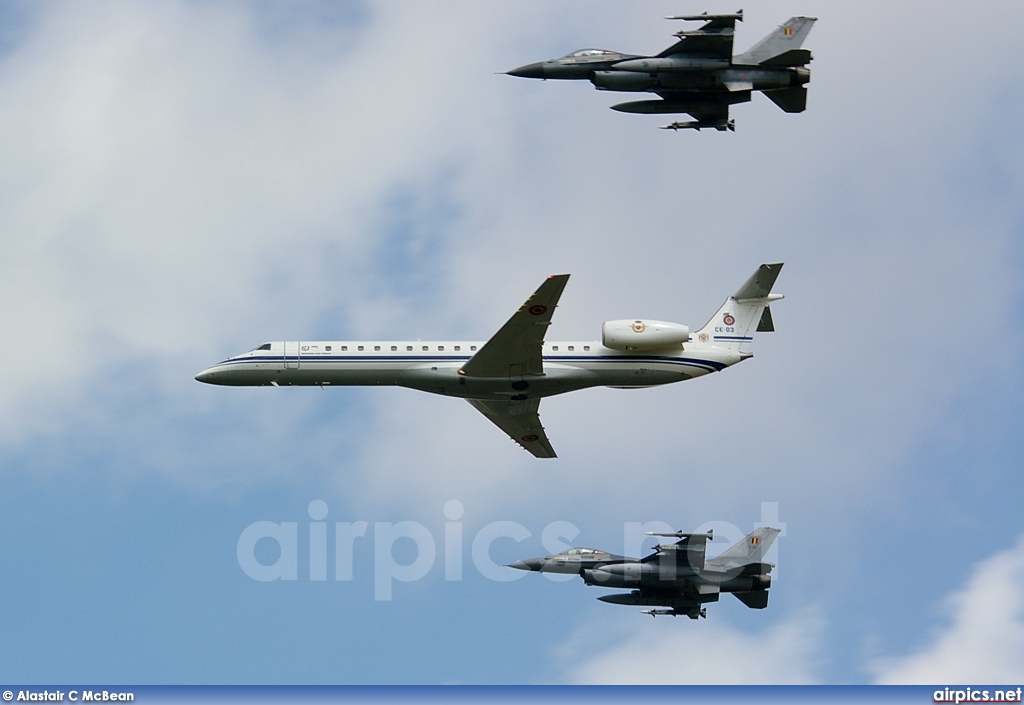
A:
[506,377]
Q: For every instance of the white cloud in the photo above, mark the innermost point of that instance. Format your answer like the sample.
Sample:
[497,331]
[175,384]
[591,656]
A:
[186,187]
[678,651]
[983,641]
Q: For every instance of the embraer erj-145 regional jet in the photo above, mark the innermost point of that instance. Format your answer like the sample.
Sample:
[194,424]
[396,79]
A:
[506,377]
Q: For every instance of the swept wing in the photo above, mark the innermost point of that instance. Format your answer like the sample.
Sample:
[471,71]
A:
[512,353]
[521,421]
[515,350]
[713,40]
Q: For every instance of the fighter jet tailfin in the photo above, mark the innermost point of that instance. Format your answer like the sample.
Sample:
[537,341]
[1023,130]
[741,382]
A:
[778,44]
[743,313]
[751,549]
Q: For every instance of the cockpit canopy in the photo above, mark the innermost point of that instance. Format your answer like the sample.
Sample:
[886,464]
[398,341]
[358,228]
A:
[582,552]
[591,55]
[265,346]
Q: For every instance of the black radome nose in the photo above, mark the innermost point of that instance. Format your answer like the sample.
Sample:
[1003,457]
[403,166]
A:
[529,71]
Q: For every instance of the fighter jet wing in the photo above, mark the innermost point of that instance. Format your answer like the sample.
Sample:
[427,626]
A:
[515,350]
[521,421]
[712,40]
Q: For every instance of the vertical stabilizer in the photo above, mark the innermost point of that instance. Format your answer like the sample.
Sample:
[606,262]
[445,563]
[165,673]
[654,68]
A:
[744,312]
[751,549]
[785,38]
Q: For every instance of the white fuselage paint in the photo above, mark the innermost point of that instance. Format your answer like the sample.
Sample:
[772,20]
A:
[434,367]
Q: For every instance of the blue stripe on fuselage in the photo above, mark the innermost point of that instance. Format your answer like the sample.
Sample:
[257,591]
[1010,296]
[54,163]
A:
[711,365]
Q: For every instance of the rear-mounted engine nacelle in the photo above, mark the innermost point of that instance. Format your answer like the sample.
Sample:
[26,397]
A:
[643,335]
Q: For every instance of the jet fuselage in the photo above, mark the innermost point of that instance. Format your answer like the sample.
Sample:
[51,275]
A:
[434,367]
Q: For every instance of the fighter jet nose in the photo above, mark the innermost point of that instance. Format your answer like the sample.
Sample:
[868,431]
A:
[522,565]
[529,71]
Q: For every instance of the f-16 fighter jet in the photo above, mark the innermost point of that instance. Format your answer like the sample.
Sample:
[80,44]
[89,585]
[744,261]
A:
[506,377]
[676,576]
[698,74]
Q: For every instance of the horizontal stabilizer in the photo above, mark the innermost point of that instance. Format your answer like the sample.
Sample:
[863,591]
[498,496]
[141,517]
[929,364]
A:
[760,282]
[755,600]
[791,100]
[791,58]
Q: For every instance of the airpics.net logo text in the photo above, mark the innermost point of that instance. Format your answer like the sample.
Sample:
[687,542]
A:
[269,551]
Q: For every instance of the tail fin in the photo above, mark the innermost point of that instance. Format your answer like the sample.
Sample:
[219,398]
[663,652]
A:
[781,47]
[744,312]
[751,549]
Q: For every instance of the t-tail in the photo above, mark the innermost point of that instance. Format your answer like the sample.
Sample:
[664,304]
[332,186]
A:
[743,313]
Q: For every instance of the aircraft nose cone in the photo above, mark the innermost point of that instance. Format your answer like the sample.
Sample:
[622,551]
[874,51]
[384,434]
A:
[529,71]
[205,376]
[525,565]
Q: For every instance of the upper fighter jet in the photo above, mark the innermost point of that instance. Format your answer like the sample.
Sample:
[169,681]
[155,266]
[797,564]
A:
[698,74]
[506,376]
[675,576]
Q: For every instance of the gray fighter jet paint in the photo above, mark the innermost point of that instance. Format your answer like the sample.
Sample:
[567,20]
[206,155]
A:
[677,576]
[698,74]
[506,376]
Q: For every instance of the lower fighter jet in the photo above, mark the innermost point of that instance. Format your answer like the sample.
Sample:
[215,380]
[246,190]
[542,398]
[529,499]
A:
[506,377]
[698,74]
[677,576]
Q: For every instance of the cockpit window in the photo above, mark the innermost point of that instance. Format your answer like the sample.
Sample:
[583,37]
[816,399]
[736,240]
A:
[590,53]
[265,346]
[580,552]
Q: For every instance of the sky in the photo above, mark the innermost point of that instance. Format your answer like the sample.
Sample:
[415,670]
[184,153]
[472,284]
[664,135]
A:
[183,181]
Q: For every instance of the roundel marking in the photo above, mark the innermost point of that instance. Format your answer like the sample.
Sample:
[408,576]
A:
[538,309]
[728,319]
[639,327]
[530,438]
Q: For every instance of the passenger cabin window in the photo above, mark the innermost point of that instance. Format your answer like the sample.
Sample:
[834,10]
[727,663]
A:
[394,348]
[472,347]
[586,347]
[327,348]
[458,347]
[555,348]
[377,348]
[426,347]
[440,347]
[344,348]
[360,348]
[571,348]
[408,348]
